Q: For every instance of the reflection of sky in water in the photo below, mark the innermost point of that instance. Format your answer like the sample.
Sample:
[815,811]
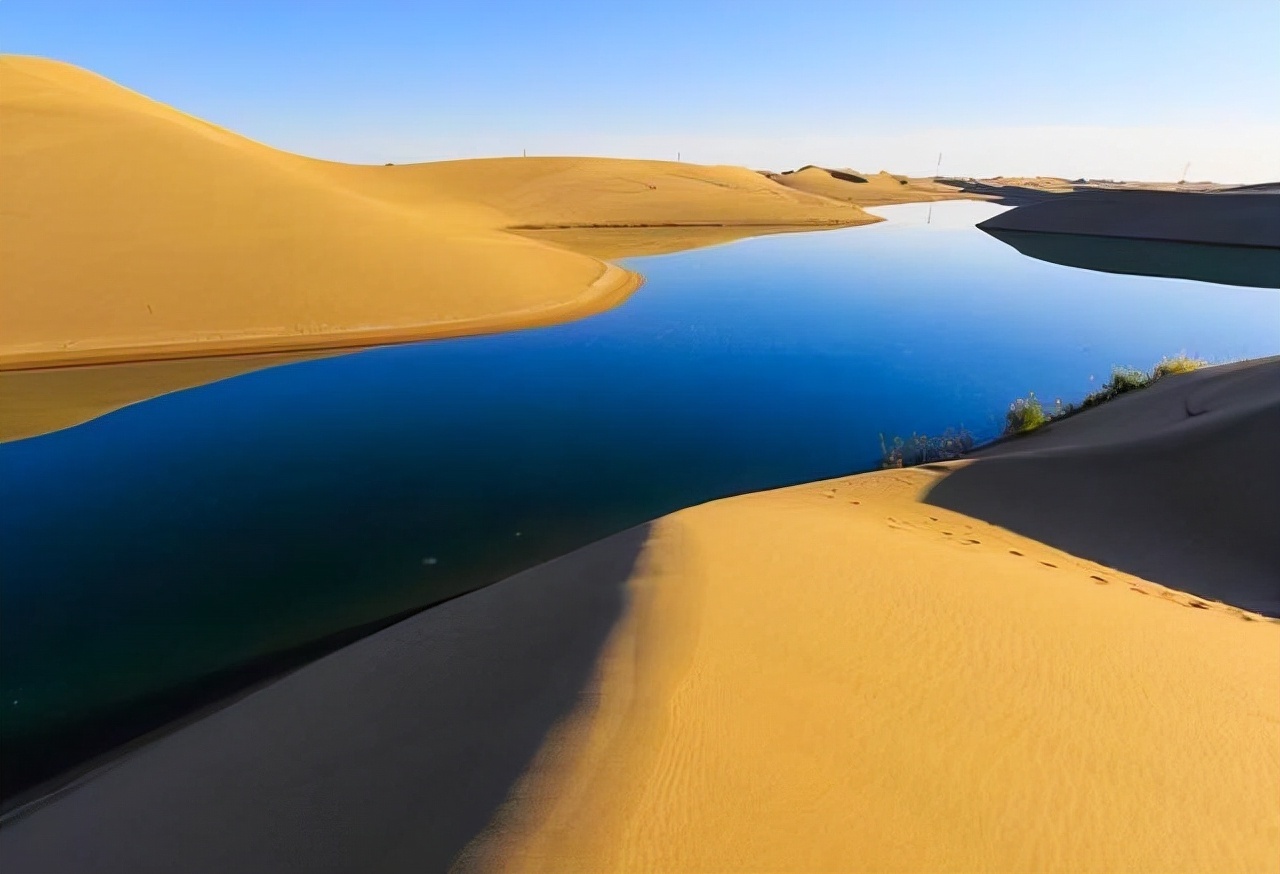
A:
[208,526]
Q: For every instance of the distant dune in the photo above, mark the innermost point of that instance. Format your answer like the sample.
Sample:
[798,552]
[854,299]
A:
[131,230]
[841,676]
[864,189]
[1217,218]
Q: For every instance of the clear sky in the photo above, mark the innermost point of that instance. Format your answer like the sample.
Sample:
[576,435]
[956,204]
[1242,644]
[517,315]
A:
[1099,88]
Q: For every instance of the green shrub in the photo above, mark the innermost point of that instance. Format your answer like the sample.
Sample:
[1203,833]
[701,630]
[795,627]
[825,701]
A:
[1025,414]
[1123,379]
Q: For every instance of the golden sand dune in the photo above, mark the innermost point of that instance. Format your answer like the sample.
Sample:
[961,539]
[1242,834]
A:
[1044,183]
[131,230]
[877,189]
[841,677]
[833,677]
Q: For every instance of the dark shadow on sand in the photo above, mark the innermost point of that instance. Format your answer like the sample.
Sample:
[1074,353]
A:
[1229,265]
[1177,483]
[390,754]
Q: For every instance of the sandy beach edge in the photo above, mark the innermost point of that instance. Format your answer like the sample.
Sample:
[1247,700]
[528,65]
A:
[614,285]
[837,675]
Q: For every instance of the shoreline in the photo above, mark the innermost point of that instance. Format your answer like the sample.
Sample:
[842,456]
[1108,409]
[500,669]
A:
[820,724]
[612,287]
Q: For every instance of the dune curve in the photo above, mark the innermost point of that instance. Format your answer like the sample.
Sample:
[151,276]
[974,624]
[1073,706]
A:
[834,676]
[1177,482]
[131,230]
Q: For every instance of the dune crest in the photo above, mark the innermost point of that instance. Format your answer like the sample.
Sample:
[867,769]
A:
[846,676]
[839,677]
[130,230]
[864,189]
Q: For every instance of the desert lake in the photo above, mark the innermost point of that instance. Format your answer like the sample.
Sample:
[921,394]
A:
[150,552]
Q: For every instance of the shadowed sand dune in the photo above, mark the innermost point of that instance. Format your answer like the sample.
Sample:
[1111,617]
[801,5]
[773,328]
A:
[1219,218]
[1252,266]
[1179,482]
[836,676]
[387,756]
[1231,238]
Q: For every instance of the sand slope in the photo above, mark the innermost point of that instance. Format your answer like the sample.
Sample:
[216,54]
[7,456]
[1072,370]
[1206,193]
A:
[843,677]
[130,229]
[1219,218]
[132,232]
[1177,483]
[840,678]
[832,677]
[878,189]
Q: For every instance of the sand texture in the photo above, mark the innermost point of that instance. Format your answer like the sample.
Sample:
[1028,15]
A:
[864,189]
[839,676]
[131,230]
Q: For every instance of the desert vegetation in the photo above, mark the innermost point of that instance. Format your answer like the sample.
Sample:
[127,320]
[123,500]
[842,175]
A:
[1027,414]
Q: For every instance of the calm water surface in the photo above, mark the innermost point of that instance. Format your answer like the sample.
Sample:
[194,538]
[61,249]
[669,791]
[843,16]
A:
[215,526]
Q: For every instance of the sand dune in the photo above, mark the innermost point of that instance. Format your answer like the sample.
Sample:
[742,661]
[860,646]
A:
[839,678]
[833,677]
[131,230]
[1176,483]
[878,189]
[1218,218]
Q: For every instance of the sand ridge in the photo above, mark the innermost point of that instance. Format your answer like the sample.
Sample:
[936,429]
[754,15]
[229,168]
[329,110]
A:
[1176,482]
[854,675]
[875,189]
[839,677]
[131,230]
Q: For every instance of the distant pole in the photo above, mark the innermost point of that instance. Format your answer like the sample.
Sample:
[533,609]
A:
[937,171]
[524,153]
[677,157]
[1183,180]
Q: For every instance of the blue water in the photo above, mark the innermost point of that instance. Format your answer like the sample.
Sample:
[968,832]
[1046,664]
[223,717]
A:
[207,528]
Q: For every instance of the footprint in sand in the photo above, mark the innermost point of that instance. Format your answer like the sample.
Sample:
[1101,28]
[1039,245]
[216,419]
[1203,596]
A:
[1098,580]
[1048,564]
[1136,589]
[1014,552]
[971,542]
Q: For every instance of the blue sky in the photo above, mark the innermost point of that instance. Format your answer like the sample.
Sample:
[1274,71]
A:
[1100,88]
